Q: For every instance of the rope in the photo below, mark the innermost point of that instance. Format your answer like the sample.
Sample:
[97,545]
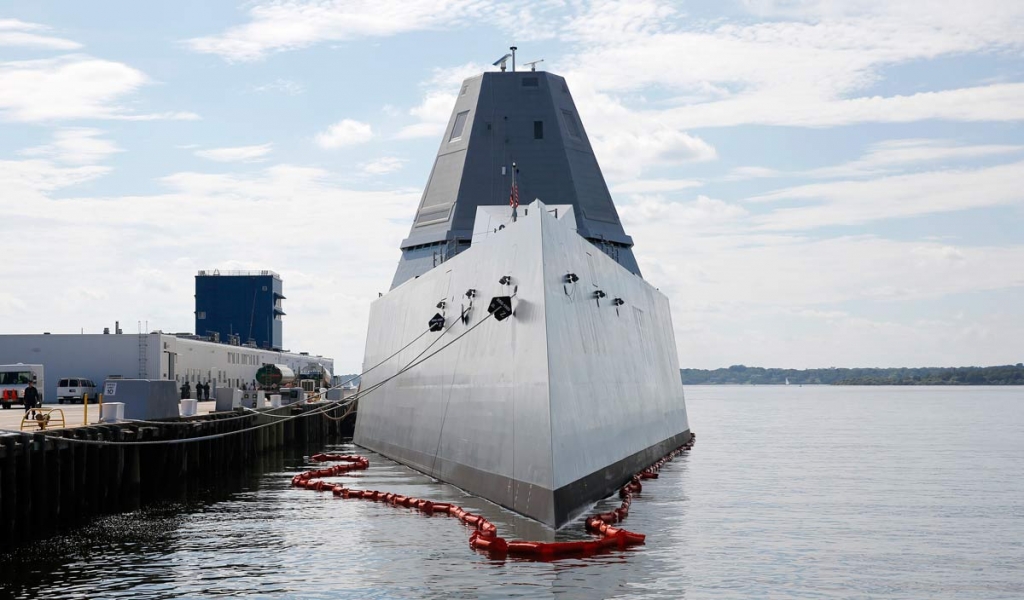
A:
[309,401]
[329,406]
[354,377]
[324,409]
[355,398]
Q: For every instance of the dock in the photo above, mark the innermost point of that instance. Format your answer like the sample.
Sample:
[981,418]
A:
[59,478]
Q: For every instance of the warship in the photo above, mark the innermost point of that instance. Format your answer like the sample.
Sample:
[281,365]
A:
[553,374]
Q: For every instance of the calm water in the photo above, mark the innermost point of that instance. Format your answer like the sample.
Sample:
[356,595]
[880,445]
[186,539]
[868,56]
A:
[808,492]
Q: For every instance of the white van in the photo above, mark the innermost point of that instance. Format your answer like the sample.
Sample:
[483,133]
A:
[14,379]
[73,389]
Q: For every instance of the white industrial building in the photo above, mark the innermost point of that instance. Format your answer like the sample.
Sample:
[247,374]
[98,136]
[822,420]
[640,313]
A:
[146,356]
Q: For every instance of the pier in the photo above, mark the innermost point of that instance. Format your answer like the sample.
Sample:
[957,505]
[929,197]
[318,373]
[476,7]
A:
[55,479]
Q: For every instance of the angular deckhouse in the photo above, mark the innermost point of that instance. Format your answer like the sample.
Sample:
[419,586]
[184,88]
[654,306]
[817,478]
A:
[526,118]
[555,406]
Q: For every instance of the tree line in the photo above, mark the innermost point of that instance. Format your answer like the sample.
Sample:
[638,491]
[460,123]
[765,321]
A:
[740,374]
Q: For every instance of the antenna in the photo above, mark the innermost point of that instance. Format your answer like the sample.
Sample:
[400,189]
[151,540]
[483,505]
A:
[501,62]
[513,49]
[533,65]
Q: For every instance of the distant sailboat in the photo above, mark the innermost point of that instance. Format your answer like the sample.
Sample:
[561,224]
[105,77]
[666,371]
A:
[787,381]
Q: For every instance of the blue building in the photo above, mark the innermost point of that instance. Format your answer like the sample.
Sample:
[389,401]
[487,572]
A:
[240,306]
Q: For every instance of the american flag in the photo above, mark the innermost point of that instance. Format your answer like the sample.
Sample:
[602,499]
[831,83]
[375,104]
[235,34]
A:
[513,196]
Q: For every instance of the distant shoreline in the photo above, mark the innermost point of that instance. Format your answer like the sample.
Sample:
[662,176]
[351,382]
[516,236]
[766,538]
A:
[953,376]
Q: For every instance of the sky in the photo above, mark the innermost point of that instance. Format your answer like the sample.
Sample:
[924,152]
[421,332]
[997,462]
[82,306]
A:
[812,183]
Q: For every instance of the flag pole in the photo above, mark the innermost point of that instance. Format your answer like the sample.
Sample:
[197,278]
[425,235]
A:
[514,195]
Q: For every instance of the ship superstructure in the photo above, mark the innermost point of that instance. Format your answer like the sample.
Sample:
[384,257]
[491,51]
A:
[550,404]
[500,118]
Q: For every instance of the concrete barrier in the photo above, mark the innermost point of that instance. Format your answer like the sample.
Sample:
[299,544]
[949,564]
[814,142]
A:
[112,412]
[228,399]
[143,399]
[189,408]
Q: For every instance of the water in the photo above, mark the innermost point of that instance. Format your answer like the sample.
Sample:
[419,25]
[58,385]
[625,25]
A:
[803,492]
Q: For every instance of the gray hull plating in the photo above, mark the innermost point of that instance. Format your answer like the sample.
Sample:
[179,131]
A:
[546,411]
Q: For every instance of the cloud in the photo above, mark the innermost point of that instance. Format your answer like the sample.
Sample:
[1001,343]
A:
[439,98]
[19,33]
[432,114]
[30,178]
[884,157]
[281,26]
[285,86]
[236,153]
[740,173]
[77,145]
[383,165]
[805,67]
[625,153]
[346,132]
[71,87]
[148,247]
[742,296]
[893,154]
[849,202]
[10,305]
[701,214]
[652,186]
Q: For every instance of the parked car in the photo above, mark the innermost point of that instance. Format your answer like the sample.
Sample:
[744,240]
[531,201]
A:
[73,389]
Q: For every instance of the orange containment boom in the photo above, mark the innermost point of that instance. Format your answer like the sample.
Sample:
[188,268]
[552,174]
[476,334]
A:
[485,534]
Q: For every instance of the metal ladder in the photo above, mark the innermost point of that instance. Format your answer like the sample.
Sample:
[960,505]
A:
[143,351]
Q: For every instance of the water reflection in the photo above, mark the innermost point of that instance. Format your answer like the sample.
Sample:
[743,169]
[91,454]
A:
[789,493]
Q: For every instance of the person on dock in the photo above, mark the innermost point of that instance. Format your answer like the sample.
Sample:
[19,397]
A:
[31,399]
[186,391]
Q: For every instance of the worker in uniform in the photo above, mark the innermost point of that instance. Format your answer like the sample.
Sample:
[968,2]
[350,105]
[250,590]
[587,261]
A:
[31,399]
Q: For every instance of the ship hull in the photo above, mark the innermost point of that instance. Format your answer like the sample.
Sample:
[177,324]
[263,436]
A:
[544,412]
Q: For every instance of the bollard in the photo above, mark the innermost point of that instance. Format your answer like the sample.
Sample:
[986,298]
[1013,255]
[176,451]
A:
[85,407]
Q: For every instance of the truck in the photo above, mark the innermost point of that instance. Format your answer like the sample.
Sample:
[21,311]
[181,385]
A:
[15,378]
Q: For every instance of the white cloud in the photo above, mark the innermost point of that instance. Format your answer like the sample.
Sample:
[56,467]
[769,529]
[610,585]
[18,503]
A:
[439,96]
[346,132]
[280,26]
[809,72]
[236,153]
[71,87]
[892,154]
[745,297]
[30,178]
[432,114]
[701,214]
[739,173]
[136,245]
[19,33]
[898,196]
[285,86]
[884,157]
[76,145]
[292,24]
[11,306]
[626,154]
[654,186]
[383,165]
